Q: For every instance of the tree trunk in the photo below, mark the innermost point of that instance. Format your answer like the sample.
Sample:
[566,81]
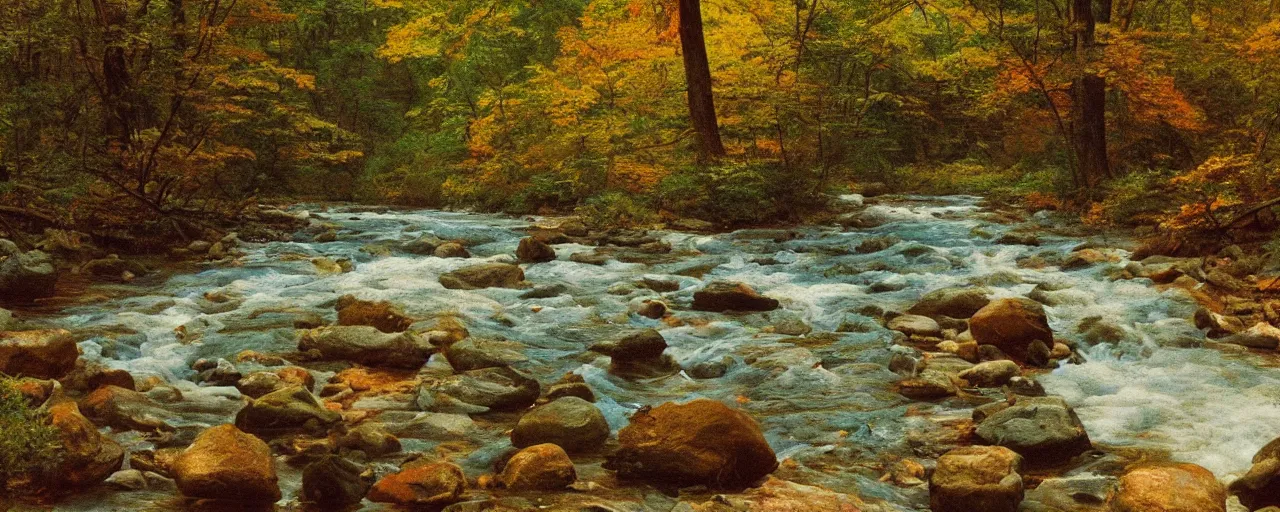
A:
[1089,102]
[115,71]
[1104,11]
[697,72]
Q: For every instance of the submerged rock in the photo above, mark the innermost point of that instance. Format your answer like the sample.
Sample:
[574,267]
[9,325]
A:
[226,464]
[1044,430]
[47,354]
[543,467]
[1011,325]
[421,484]
[499,388]
[703,442]
[486,275]
[571,423]
[1169,488]
[722,296]
[977,478]
[367,345]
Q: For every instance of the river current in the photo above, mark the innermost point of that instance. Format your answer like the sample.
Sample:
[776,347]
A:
[820,388]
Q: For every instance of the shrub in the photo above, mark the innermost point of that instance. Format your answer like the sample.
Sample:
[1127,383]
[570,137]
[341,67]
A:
[27,443]
[616,210]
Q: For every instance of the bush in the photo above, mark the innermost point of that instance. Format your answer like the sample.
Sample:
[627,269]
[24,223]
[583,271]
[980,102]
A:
[27,443]
[730,194]
[616,210]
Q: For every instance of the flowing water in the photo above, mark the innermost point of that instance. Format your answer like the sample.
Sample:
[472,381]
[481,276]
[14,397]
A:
[825,400]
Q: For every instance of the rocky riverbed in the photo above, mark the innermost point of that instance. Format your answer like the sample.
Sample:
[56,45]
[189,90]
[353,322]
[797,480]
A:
[916,354]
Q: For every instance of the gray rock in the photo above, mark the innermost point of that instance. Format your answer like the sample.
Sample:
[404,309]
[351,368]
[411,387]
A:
[915,325]
[25,276]
[367,345]
[334,482]
[1045,430]
[959,302]
[571,423]
[991,374]
[485,275]
[287,410]
[489,388]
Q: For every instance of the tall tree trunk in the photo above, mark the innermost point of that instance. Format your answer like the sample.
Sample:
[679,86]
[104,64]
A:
[1104,11]
[697,72]
[115,71]
[1089,101]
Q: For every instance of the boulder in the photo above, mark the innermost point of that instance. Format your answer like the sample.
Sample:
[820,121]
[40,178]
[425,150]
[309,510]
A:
[1260,487]
[476,354]
[928,385]
[499,388]
[287,410]
[703,442]
[571,423]
[334,482]
[976,478]
[25,276]
[226,464]
[915,325]
[1216,325]
[991,374]
[372,439]
[383,315]
[367,345]
[486,275]
[86,457]
[422,246]
[958,302]
[638,354]
[112,267]
[532,250]
[1044,430]
[47,354]
[543,467]
[257,384]
[722,296]
[1011,325]
[421,484]
[1169,488]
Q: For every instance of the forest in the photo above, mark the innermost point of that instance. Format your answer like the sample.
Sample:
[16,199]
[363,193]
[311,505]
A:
[640,255]
[113,111]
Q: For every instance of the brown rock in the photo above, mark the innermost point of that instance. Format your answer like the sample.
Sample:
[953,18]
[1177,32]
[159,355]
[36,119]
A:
[721,296]
[703,442]
[1169,488]
[571,423]
[87,457]
[226,464]
[977,478]
[367,345]
[543,467]
[1011,325]
[451,250]
[383,315]
[533,250]
[125,409]
[47,354]
[426,484]
[486,275]
[1260,487]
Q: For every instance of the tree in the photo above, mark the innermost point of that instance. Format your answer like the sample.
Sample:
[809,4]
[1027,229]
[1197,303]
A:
[1089,100]
[697,72]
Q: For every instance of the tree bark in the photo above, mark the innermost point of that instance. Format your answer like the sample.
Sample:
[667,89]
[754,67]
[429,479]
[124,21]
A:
[702,109]
[1089,101]
[115,71]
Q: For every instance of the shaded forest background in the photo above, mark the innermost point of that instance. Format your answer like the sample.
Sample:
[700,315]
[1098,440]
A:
[127,115]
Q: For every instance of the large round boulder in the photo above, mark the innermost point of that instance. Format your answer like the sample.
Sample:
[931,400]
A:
[368,346]
[638,354]
[47,354]
[543,467]
[485,275]
[703,442]
[1011,325]
[722,296]
[421,484]
[571,423]
[1169,488]
[977,478]
[226,464]
[1044,430]
[287,410]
